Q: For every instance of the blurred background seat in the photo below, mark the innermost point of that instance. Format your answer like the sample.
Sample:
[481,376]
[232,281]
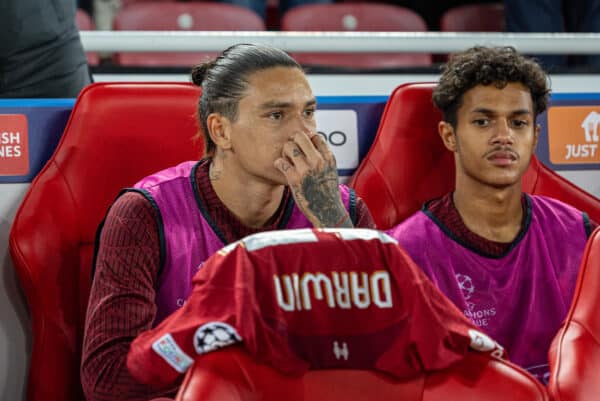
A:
[126,3]
[483,17]
[349,17]
[167,15]
[478,17]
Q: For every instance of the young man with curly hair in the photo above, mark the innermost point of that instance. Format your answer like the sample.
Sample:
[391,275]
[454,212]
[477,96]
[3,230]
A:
[507,259]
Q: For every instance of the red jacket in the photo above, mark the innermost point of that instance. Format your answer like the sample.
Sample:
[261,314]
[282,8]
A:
[312,299]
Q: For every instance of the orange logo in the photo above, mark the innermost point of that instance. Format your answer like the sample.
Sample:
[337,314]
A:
[573,133]
[14,149]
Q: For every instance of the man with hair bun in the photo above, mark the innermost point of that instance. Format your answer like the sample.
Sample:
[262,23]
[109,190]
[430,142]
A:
[265,169]
[507,259]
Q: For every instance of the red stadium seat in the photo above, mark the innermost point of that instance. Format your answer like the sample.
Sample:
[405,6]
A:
[116,134]
[484,17]
[85,23]
[575,354]
[83,20]
[126,3]
[230,374]
[197,16]
[408,164]
[356,17]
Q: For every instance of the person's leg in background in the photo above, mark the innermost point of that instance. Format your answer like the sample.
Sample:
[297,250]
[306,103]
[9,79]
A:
[104,13]
[536,16]
[59,71]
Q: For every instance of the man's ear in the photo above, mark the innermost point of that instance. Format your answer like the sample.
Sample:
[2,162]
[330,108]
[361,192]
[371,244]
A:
[218,129]
[446,132]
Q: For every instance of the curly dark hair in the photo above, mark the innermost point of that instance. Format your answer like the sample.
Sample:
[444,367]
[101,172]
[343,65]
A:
[496,66]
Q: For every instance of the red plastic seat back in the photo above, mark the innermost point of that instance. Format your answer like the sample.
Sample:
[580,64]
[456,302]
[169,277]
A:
[356,17]
[408,164]
[172,16]
[484,17]
[575,355]
[229,374]
[117,133]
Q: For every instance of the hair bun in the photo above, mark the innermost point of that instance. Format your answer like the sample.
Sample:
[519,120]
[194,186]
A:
[199,72]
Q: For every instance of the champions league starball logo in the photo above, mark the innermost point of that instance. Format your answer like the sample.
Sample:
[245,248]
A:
[465,284]
[214,335]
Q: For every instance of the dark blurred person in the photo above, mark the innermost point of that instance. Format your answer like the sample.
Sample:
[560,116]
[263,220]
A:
[555,16]
[41,55]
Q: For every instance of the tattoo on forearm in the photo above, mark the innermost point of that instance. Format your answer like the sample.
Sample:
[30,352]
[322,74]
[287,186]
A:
[320,190]
[344,222]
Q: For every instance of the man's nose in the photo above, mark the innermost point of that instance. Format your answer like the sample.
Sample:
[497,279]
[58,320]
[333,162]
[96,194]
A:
[303,124]
[503,133]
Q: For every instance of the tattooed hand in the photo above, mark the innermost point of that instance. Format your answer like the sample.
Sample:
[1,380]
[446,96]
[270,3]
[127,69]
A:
[310,169]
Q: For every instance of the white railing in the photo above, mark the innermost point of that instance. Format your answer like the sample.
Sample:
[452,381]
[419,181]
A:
[350,42]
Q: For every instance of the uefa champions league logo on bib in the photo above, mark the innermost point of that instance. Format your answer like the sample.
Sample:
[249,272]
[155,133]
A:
[466,285]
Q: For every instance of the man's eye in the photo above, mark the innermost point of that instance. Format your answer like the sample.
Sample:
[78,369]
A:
[276,115]
[481,122]
[309,113]
[519,123]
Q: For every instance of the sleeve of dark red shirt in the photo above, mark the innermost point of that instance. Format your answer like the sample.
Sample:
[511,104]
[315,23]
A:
[592,226]
[364,219]
[121,302]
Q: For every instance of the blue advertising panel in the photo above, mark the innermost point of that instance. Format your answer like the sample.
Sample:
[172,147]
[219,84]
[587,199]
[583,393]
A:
[29,132]
[349,123]
[31,129]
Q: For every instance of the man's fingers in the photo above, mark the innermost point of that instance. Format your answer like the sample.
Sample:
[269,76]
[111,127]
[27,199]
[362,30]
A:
[296,156]
[321,145]
[305,143]
[287,169]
